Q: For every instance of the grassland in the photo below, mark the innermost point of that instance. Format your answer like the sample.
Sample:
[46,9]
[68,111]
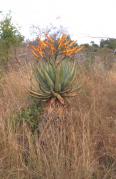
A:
[80,144]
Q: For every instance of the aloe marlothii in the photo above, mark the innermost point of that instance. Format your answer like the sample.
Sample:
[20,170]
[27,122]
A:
[55,74]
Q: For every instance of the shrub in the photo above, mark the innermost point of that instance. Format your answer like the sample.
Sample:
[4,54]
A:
[29,116]
[9,37]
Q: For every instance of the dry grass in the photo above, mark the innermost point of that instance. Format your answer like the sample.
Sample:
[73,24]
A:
[81,144]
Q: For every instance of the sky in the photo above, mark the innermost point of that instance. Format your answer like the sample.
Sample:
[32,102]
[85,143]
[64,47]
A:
[83,19]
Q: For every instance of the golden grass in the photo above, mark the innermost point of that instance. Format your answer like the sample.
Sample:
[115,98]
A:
[81,144]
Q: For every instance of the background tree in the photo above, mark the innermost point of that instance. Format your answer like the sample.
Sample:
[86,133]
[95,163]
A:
[10,38]
[109,43]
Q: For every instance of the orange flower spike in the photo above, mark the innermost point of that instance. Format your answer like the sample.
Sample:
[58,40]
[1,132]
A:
[66,44]
[63,44]
[79,49]
[64,37]
[40,46]
[62,40]
[34,48]
[37,50]
[72,50]
[49,38]
[59,40]
[35,54]
[48,44]
[44,44]
[41,52]
[70,53]
[52,46]
[66,51]
[53,50]
[72,43]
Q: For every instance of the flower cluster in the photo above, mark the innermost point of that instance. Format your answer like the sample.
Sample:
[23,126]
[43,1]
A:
[52,46]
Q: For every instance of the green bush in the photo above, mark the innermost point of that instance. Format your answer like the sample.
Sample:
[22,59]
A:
[10,37]
[31,116]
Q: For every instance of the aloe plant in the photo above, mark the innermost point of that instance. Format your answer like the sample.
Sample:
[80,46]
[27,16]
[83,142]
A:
[54,81]
[55,72]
